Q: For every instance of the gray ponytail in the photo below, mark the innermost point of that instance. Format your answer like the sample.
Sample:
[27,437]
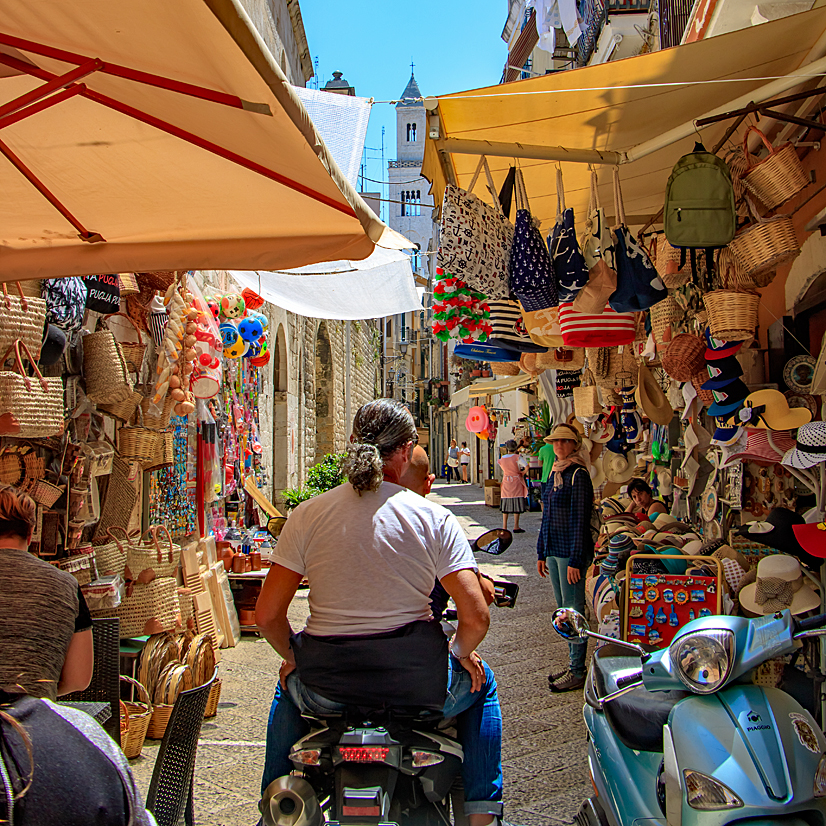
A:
[380,428]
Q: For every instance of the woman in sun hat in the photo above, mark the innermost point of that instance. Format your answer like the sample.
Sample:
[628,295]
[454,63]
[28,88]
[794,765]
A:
[565,546]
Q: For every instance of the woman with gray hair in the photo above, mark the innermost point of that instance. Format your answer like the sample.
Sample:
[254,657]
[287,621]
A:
[371,551]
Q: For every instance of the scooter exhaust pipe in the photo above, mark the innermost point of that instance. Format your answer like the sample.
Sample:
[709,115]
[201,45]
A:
[290,801]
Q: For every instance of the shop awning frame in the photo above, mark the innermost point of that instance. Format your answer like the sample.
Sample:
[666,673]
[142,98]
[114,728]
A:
[490,388]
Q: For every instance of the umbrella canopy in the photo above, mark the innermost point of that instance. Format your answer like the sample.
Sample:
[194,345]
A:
[157,135]
[635,113]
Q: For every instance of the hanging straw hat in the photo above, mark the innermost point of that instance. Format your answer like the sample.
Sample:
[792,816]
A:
[779,585]
[651,398]
[617,468]
[597,474]
[777,414]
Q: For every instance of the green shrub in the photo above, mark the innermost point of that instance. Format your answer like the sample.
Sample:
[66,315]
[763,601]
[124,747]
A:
[321,477]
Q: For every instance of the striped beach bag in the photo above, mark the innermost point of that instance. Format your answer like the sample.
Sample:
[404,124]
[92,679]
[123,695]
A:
[606,329]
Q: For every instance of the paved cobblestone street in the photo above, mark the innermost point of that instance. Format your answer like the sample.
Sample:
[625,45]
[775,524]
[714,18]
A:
[544,755]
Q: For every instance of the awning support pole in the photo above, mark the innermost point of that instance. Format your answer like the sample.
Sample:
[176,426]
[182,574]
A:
[47,88]
[460,146]
[760,95]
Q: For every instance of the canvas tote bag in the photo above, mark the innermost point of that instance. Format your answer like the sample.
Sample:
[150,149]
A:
[598,251]
[475,238]
[568,263]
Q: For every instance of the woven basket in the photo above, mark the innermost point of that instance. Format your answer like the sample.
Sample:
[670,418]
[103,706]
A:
[118,503]
[665,316]
[154,422]
[705,396]
[133,351]
[733,275]
[164,451]
[764,246]
[586,397]
[685,357]
[138,718]
[212,701]
[159,721]
[148,609]
[137,444]
[12,467]
[504,368]
[732,315]
[157,280]
[111,556]
[668,264]
[150,552]
[105,369]
[123,410]
[31,288]
[777,177]
[45,493]
[128,284]
[21,317]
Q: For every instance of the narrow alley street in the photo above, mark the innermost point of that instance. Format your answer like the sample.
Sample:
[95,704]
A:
[544,757]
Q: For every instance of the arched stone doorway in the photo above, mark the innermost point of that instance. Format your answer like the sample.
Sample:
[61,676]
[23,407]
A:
[281,435]
[324,405]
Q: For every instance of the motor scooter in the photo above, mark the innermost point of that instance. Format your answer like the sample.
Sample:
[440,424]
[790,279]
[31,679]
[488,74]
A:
[367,767]
[681,736]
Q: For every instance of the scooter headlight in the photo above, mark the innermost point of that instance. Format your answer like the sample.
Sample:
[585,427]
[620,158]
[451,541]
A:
[707,794]
[703,660]
[820,778]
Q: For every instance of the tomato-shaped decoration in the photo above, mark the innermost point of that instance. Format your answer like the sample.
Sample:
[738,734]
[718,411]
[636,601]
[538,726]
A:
[250,328]
[477,420]
[233,306]
[229,334]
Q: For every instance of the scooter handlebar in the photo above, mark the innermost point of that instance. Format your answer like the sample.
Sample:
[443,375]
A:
[808,624]
[629,679]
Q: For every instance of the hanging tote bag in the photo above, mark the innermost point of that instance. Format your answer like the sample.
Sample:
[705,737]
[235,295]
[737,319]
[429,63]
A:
[532,278]
[30,408]
[508,328]
[639,286]
[105,369]
[598,251]
[586,397]
[21,319]
[606,329]
[475,238]
[568,263]
[65,303]
[543,326]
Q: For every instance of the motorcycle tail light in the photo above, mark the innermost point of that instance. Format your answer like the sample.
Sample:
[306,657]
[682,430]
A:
[426,758]
[820,778]
[307,757]
[707,794]
[364,754]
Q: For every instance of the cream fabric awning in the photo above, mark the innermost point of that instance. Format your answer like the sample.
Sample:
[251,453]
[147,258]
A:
[490,388]
[172,135]
[614,108]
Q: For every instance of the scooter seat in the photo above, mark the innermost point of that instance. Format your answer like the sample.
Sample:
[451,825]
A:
[638,717]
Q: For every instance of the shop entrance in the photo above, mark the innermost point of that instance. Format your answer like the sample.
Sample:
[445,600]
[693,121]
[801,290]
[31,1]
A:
[324,407]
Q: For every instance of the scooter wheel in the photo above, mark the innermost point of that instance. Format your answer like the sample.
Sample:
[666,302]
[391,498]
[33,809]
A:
[591,814]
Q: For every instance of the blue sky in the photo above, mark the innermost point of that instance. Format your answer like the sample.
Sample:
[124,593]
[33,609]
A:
[454,45]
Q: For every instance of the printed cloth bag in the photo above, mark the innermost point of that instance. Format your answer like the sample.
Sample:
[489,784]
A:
[508,328]
[570,270]
[606,329]
[65,303]
[532,278]
[543,326]
[639,286]
[566,381]
[475,239]
[598,251]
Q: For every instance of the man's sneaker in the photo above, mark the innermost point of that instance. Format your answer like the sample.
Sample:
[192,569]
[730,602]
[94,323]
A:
[570,682]
[556,675]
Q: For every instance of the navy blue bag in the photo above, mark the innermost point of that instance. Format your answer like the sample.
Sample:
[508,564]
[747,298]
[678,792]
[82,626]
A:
[570,269]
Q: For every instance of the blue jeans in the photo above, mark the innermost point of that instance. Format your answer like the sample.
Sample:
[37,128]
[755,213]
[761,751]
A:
[478,722]
[569,596]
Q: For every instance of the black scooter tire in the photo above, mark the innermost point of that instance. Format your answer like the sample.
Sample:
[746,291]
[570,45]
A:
[591,813]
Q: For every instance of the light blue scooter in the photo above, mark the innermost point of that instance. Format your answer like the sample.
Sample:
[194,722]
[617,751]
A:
[681,736]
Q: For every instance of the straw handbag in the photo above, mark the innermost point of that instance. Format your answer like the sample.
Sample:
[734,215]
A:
[111,557]
[732,314]
[123,410]
[137,444]
[30,408]
[504,368]
[21,318]
[777,177]
[150,554]
[133,351]
[586,397]
[147,609]
[672,269]
[665,318]
[105,369]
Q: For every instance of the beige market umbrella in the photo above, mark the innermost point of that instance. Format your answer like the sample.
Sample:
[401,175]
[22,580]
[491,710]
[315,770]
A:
[160,135]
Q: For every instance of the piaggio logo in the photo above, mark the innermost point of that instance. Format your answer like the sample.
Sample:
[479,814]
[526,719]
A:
[756,720]
[754,717]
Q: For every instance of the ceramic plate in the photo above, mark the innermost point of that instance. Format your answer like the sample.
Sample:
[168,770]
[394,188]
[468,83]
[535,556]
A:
[798,373]
[708,504]
[804,400]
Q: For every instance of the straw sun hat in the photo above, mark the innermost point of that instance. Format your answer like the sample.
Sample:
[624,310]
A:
[780,584]
[617,467]
[651,398]
[564,431]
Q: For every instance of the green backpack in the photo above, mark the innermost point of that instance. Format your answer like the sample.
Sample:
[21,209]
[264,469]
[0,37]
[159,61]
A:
[699,208]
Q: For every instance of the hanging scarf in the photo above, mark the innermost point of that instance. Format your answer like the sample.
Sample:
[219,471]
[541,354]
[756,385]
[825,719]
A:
[578,458]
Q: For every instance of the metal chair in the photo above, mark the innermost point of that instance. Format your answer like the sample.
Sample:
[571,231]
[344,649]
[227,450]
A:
[170,790]
[105,685]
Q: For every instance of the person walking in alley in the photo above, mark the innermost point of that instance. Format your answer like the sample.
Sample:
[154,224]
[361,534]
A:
[452,461]
[464,460]
[565,546]
[514,490]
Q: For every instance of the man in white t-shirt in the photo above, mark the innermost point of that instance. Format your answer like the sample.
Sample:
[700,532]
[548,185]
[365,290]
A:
[371,551]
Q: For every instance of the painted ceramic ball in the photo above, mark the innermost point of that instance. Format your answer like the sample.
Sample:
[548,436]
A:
[233,306]
[229,334]
[250,328]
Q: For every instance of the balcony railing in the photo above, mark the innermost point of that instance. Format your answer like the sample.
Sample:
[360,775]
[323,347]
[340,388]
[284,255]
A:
[674,16]
[594,14]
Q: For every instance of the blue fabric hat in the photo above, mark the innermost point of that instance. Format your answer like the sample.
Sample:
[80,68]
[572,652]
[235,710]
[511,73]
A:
[722,372]
[728,399]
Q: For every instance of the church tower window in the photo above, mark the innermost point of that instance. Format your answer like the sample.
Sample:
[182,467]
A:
[411,133]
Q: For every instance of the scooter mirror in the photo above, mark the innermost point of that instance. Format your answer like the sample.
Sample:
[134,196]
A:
[275,525]
[570,624]
[493,542]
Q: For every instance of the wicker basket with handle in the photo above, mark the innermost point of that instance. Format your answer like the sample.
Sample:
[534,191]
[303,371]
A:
[138,715]
[148,609]
[133,351]
[151,553]
[762,247]
[777,177]
[105,369]
[137,444]
[665,316]
[732,314]
[123,410]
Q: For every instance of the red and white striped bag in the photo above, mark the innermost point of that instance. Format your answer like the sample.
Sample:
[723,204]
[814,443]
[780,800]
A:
[606,329]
